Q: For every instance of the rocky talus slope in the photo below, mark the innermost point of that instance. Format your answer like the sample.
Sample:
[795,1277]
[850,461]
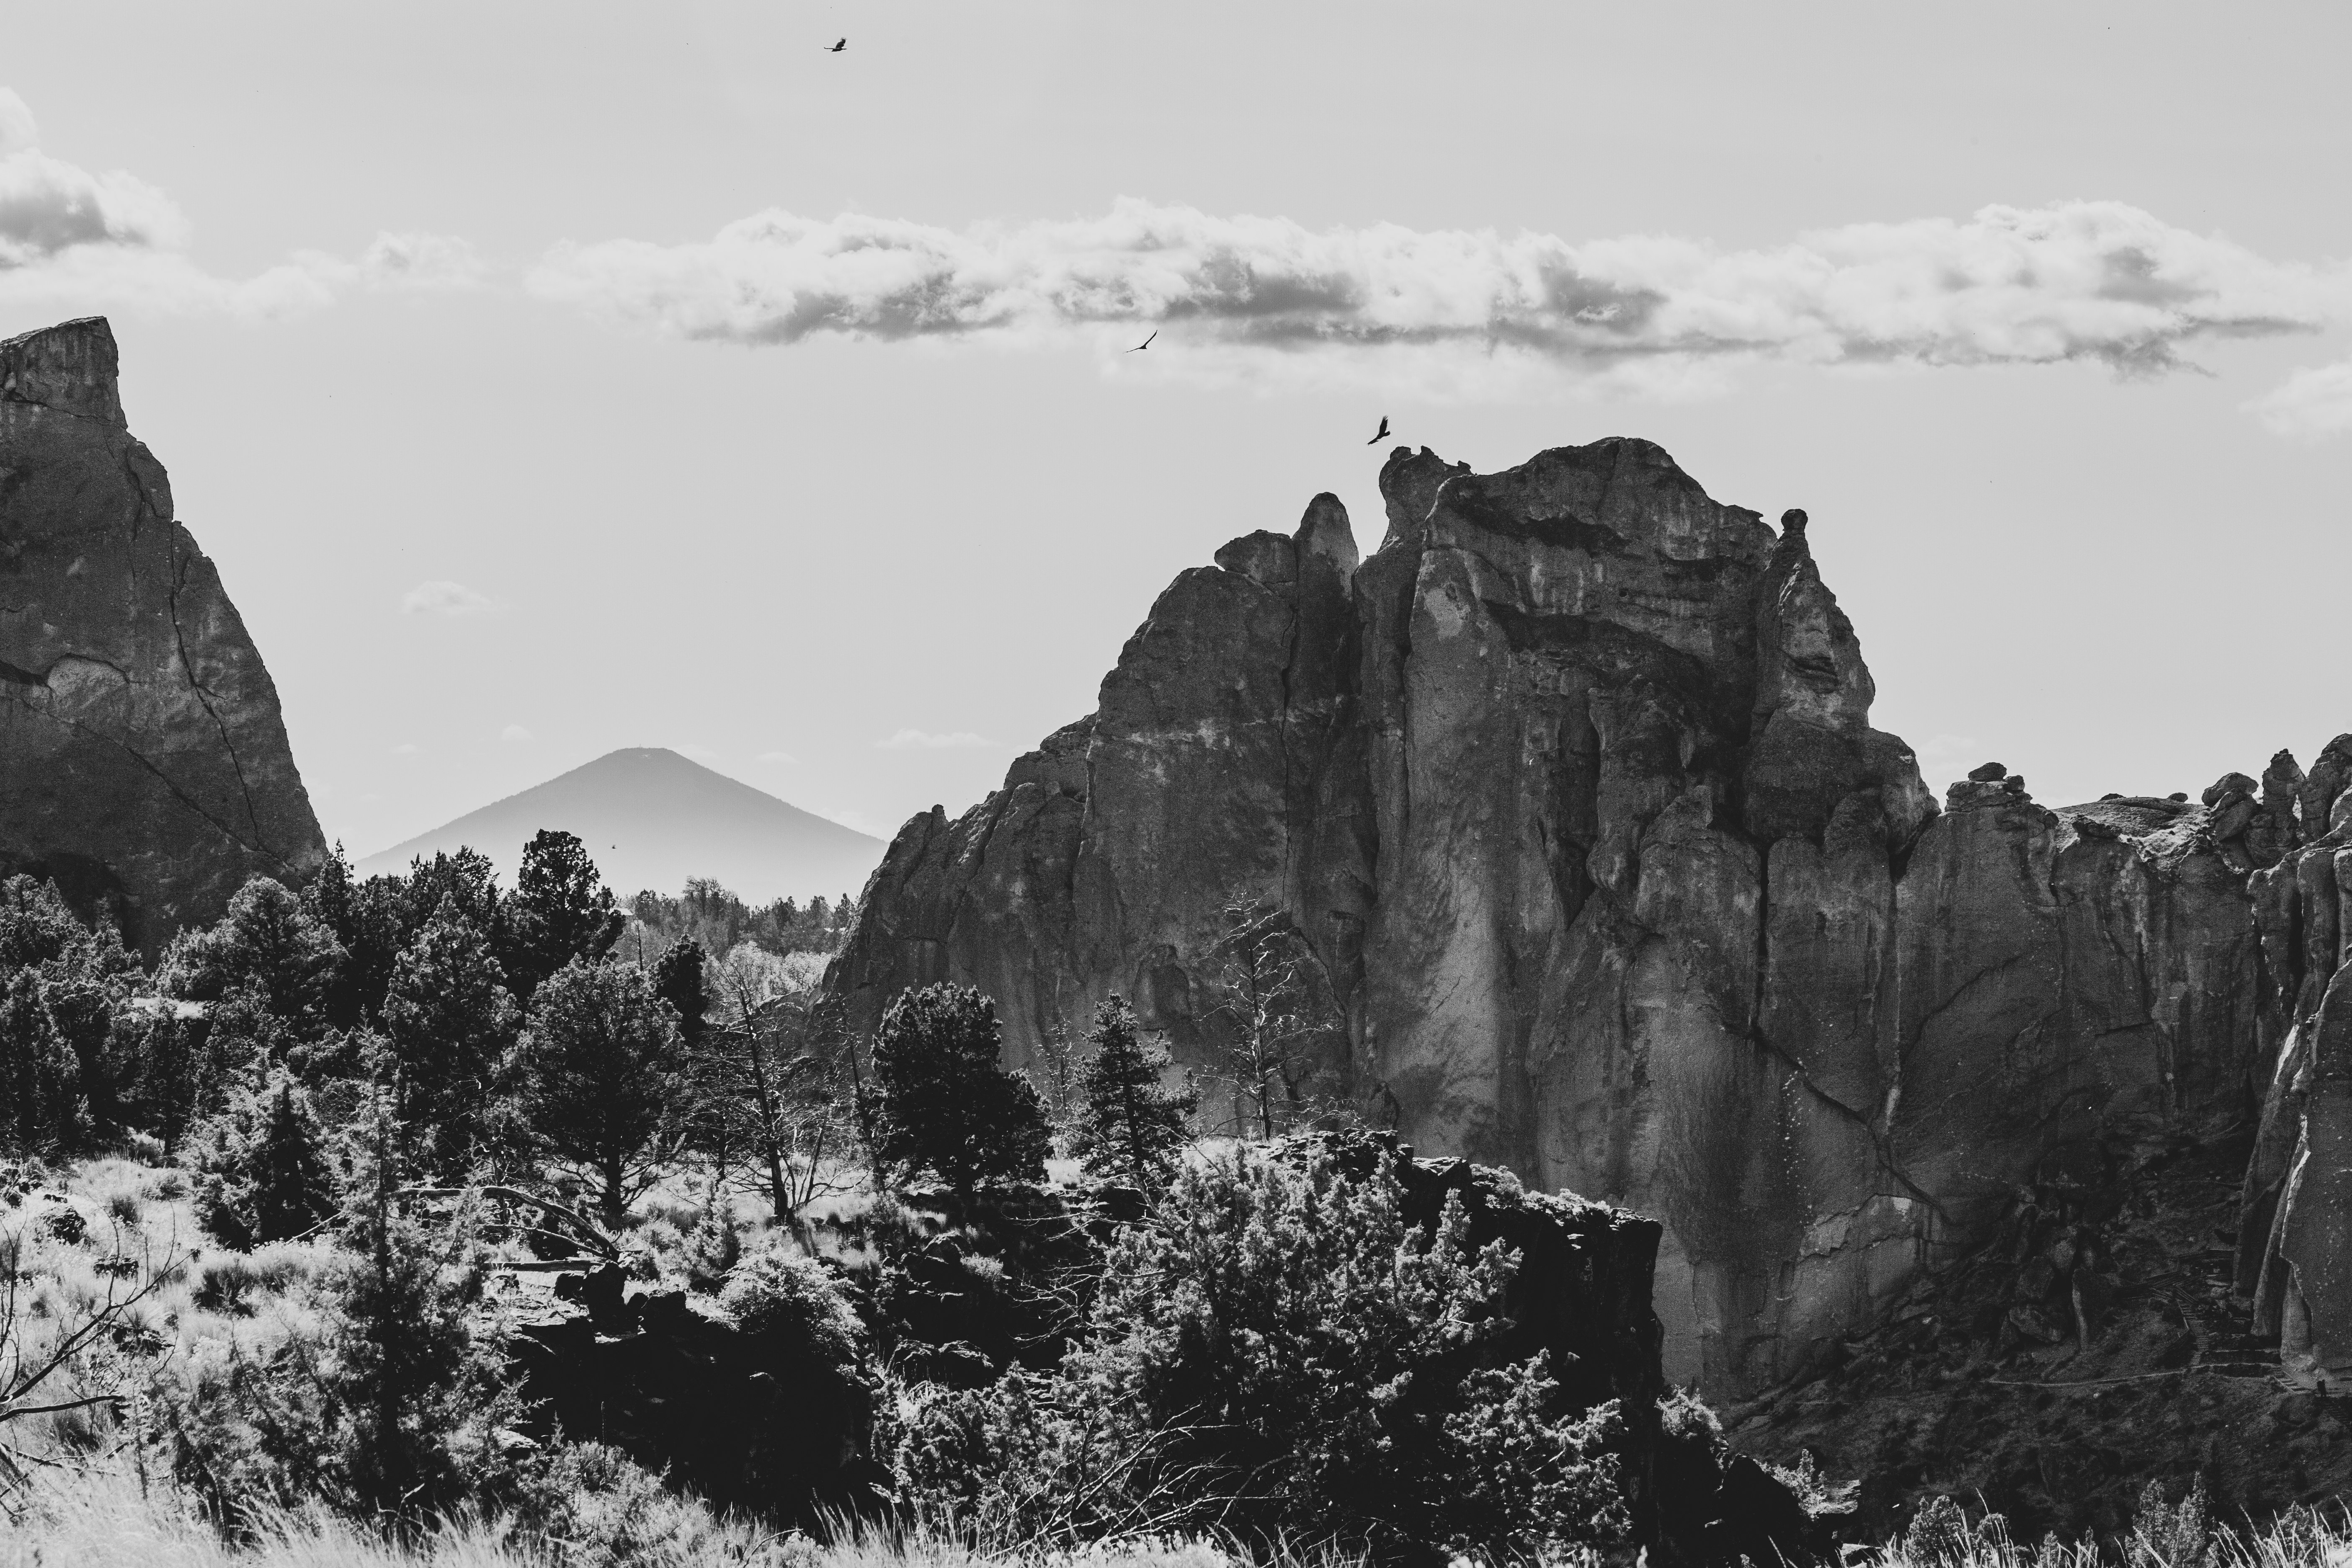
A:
[144,764]
[1572,791]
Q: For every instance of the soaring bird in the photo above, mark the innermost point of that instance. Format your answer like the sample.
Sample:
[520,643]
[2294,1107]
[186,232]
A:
[839,45]
[1145,344]
[1380,434]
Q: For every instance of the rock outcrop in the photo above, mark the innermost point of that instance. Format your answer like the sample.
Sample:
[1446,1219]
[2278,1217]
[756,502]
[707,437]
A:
[2295,1229]
[144,764]
[1572,791]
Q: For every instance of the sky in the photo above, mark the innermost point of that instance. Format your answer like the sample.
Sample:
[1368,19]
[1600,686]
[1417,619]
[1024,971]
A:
[551,378]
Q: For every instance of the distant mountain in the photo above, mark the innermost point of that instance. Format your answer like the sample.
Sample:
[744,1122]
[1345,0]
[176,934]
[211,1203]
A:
[652,818]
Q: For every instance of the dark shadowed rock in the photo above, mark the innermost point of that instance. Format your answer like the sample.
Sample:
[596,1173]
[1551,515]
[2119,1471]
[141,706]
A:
[144,764]
[1571,788]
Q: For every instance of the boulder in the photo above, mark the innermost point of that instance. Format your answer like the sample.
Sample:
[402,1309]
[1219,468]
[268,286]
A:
[144,764]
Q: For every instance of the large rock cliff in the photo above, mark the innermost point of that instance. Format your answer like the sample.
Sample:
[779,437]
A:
[1571,792]
[144,764]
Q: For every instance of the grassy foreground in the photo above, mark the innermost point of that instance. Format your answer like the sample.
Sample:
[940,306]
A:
[102,1522]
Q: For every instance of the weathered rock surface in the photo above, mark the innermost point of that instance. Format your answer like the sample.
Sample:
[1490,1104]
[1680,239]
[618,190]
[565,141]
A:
[144,764]
[2294,1231]
[1572,791]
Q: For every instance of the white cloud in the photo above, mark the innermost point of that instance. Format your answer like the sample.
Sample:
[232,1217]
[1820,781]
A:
[698,753]
[517,734]
[922,740]
[442,597]
[2314,402]
[406,749]
[71,240]
[2075,281]
[786,758]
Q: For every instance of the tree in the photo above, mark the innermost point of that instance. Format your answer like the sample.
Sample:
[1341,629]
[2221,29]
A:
[679,980]
[773,1088]
[42,1109]
[266,939]
[559,910]
[945,1101]
[262,1170]
[449,1025]
[1132,1126]
[1282,1034]
[600,1078]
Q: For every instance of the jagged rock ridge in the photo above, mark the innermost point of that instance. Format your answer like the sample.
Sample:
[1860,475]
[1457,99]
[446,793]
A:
[1571,789]
[143,762]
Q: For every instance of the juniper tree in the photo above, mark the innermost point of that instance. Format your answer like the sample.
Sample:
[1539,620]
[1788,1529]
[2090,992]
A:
[945,1102]
[600,1079]
[42,1109]
[559,910]
[1131,1125]
[263,1173]
[266,941]
[449,1026]
[678,981]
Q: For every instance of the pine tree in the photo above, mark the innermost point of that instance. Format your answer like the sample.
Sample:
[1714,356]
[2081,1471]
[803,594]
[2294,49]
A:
[1131,1127]
[946,1103]
[42,1109]
[419,1388]
[262,1170]
[559,910]
[450,1026]
[600,1077]
[293,1189]
[269,941]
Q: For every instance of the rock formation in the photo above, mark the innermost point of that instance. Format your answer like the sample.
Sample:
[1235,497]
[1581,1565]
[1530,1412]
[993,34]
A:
[144,764]
[1572,791]
[2294,1230]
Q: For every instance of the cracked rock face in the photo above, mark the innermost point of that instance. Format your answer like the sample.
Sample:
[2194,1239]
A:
[2294,1230]
[144,764]
[1571,789]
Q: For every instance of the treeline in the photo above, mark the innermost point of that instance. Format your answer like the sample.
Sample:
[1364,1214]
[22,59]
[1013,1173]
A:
[714,917]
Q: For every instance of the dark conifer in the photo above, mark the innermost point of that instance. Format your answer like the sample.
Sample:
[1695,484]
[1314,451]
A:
[1132,1126]
[945,1102]
[559,910]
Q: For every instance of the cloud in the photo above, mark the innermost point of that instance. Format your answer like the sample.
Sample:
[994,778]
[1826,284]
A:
[786,758]
[2097,281]
[2314,403]
[517,734]
[922,740]
[698,753]
[71,240]
[406,749]
[446,599]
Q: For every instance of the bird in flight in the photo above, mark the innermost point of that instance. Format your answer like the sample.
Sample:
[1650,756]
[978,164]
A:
[1380,434]
[1145,344]
[838,45]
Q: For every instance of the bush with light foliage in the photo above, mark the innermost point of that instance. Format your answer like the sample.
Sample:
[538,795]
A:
[1276,1351]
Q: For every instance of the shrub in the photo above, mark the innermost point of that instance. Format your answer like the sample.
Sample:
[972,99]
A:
[1277,1351]
[775,1291]
[230,1281]
[588,1504]
[714,1245]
